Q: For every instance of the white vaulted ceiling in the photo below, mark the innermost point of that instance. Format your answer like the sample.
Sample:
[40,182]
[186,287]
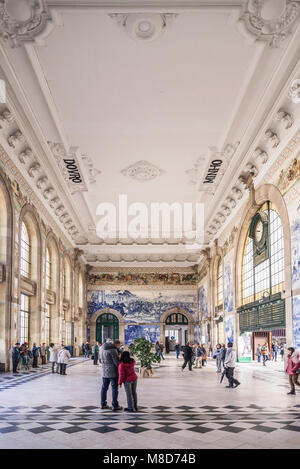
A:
[201,84]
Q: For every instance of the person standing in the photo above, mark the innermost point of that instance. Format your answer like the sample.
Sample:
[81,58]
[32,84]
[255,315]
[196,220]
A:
[63,359]
[265,353]
[199,355]
[15,352]
[229,364]
[87,350]
[128,376]
[96,353]
[293,369]
[282,352]
[177,350]
[204,356]
[218,356]
[43,354]
[110,375]
[258,353]
[224,350]
[187,356]
[35,355]
[53,356]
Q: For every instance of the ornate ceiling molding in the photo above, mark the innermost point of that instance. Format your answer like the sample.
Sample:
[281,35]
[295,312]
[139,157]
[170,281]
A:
[145,26]
[270,21]
[21,152]
[23,20]
[142,171]
[294,91]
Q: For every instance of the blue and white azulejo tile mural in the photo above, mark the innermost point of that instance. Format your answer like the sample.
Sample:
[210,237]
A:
[228,290]
[229,328]
[142,306]
[296,320]
[203,303]
[151,333]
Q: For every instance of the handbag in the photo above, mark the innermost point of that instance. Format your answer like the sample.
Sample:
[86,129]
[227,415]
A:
[214,357]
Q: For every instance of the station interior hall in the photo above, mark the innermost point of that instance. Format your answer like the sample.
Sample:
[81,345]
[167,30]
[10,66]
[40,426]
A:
[150,189]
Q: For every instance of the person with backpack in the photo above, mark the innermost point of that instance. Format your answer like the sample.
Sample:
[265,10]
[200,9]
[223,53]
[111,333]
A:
[35,355]
[204,355]
[187,356]
[128,376]
[265,353]
[109,358]
[293,369]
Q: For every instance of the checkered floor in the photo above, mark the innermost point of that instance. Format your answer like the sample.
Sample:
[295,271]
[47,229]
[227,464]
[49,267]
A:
[168,420]
[10,380]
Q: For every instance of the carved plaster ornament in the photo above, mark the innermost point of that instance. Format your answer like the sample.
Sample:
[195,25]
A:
[270,20]
[6,117]
[142,171]
[63,217]
[92,172]
[34,169]
[54,202]
[261,155]
[59,210]
[226,210]
[15,138]
[285,118]
[221,217]
[23,20]
[41,182]
[237,192]
[195,172]
[231,202]
[48,192]
[25,155]
[272,138]
[144,26]
[294,92]
[68,223]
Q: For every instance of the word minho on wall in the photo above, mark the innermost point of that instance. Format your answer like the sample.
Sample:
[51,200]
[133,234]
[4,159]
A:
[212,172]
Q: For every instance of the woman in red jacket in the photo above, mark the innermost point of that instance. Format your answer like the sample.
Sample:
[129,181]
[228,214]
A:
[293,366]
[129,378]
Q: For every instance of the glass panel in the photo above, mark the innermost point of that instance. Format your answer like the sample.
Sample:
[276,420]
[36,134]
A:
[25,252]
[24,319]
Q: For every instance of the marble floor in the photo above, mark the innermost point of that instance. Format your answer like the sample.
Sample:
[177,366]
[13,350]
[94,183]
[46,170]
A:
[176,410]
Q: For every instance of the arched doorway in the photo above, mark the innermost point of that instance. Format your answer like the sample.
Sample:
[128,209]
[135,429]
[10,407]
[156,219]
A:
[177,325]
[107,327]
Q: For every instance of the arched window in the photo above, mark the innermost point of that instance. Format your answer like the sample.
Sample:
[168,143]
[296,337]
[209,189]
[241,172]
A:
[220,283]
[25,254]
[66,280]
[48,270]
[263,260]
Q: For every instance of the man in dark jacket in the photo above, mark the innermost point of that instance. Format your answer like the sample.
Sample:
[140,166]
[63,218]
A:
[187,356]
[15,356]
[110,363]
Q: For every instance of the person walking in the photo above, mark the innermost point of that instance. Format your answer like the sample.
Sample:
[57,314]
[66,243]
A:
[96,353]
[265,353]
[43,354]
[63,359]
[25,356]
[229,363]
[258,353]
[199,354]
[110,367]
[15,352]
[177,350]
[128,376]
[159,350]
[293,369]
[53,356]
[282,352]
[218,357]
[87,350]
[35,355]
[187,356]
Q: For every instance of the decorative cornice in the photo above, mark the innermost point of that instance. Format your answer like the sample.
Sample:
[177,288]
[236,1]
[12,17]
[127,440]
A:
[294,91]
[269,22]
[16,27]
[154,278]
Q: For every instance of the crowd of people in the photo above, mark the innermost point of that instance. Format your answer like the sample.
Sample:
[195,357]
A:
[24,357]
[263,352]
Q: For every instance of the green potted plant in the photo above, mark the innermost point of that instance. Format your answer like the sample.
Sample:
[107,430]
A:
[141,348]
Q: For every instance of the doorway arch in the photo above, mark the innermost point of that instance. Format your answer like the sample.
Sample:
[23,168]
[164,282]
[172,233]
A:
[107,327]
[184,317]
[96,319]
